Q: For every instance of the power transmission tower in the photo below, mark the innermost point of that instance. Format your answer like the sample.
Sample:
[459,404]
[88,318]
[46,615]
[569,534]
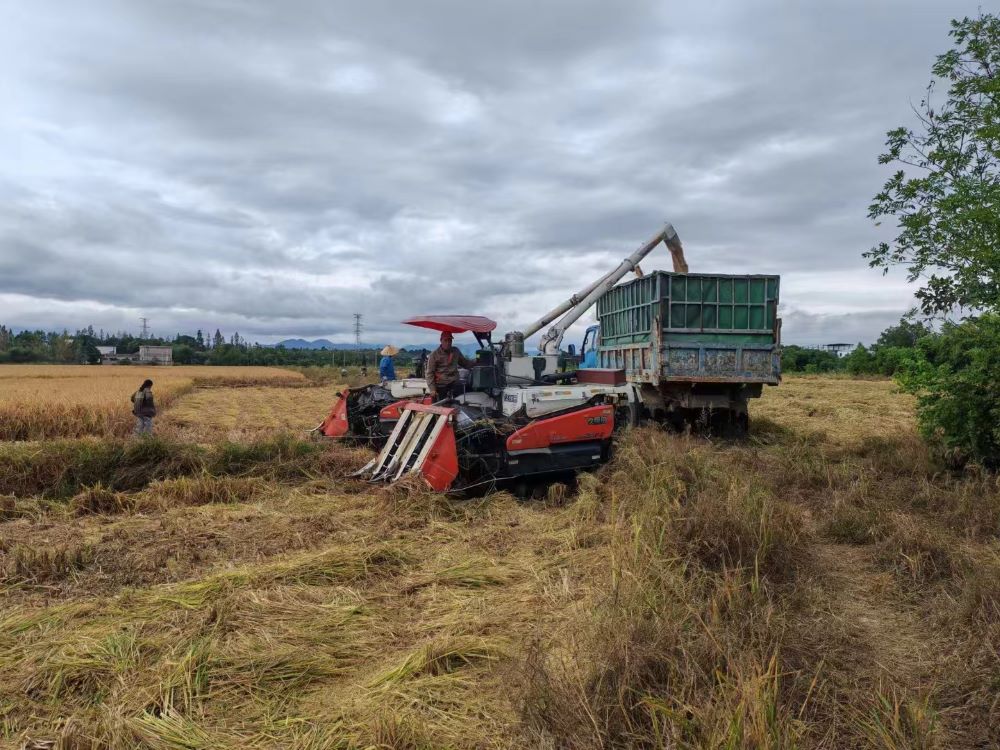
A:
[145,328]
[357,329]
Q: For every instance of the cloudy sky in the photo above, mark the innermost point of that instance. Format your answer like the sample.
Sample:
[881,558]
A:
[273,168]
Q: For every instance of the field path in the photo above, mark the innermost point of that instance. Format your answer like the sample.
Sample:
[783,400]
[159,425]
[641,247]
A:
[886,647]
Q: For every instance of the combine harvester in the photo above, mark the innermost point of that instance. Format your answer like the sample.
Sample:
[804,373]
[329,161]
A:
[672,348]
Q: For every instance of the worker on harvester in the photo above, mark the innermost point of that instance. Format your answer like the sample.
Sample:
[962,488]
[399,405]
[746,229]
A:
[442,369]
[386,368]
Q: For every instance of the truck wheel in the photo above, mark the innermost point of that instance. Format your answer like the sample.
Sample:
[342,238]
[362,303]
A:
[740,424]
[724,423]
[626,416]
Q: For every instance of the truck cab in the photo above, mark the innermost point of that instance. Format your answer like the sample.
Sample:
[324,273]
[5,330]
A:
[588,349]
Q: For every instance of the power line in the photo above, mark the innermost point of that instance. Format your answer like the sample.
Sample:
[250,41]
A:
[145,328]
[357,328]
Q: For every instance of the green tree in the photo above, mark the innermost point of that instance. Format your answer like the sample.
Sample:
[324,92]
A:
[905,334]
[860,361]
[183,354]
[946,196]
[957,384]
[798,359]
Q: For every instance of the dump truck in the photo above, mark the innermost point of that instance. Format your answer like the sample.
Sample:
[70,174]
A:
[698,345]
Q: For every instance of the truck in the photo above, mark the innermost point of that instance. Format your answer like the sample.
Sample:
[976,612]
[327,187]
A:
[698,345]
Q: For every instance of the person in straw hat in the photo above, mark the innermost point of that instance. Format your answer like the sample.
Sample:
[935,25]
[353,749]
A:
[386,369]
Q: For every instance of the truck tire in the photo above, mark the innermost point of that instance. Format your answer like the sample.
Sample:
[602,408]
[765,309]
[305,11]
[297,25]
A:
[723,423]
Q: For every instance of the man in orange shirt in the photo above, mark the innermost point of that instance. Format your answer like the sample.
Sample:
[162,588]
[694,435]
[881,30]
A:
[442,369]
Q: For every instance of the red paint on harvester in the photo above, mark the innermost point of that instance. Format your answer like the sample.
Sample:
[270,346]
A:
[395,410]
[335,425]
[593,423]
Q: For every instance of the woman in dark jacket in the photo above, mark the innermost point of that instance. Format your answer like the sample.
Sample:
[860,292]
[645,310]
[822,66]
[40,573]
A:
[144,408]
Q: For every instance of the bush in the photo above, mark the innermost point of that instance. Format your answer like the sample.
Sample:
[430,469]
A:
[798,359]
[956,380]
[890,360]
[860,361]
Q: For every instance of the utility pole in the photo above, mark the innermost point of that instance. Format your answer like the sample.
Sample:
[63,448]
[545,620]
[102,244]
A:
[357,329]
[145,328]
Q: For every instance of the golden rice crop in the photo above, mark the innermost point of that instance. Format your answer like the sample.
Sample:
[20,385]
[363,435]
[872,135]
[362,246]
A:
[45,401]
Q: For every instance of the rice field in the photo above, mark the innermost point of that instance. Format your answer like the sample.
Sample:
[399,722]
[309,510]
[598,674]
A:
[822,584]
[50,401]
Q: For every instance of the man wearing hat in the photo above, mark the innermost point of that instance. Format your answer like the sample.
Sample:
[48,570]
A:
[442,369]
[386,369]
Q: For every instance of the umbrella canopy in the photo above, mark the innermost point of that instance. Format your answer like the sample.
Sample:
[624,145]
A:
[389,351]
[454,323]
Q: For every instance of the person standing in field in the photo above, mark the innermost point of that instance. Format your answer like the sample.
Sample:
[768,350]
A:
[386,367]
[442,369]
[144,408]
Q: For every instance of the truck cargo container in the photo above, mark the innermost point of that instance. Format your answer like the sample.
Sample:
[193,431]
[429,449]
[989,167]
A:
[699,345]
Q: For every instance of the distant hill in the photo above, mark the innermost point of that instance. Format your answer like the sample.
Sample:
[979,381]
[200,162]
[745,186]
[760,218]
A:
[323,344]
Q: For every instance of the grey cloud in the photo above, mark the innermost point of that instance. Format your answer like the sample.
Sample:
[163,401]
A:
[274,168]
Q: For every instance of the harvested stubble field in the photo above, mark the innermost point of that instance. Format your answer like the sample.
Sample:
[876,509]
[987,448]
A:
[239,414]
[822,584]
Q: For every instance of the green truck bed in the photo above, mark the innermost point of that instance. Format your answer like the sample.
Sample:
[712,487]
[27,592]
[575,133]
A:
[692,328]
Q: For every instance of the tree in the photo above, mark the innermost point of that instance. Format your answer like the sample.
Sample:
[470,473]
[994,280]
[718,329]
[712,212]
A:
[947,207]
[200,339]
[217,340]
[796,359]
[860,361]
[958,393]
[905,334]
[183,354]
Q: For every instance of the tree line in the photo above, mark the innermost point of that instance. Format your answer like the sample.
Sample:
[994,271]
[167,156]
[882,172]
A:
[80,347]
[896,348]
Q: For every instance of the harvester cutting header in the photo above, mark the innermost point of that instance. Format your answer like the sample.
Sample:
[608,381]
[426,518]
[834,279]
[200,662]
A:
[673,347]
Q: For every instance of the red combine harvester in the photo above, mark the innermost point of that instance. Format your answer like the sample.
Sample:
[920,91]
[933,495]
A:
[519,417]
[499,430]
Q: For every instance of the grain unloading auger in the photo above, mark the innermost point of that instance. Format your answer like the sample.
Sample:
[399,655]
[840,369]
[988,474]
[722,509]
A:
[519,418]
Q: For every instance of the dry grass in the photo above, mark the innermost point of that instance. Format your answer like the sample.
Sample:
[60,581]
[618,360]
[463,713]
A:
[47,401]
[821,585]
[63,468]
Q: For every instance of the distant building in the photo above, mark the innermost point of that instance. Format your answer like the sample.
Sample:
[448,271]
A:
[148,355]
[841,350]
[156,355]
[110,356]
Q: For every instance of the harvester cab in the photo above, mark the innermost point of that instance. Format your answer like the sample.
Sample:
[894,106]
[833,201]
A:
[487,375]
[369,413]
